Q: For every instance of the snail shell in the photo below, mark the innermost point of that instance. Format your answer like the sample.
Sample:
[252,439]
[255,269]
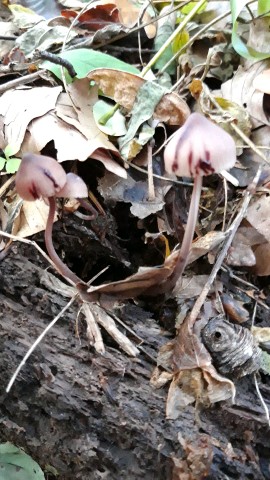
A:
[232,347]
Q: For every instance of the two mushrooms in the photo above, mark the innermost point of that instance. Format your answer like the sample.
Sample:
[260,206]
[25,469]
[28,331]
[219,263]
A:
[198,148]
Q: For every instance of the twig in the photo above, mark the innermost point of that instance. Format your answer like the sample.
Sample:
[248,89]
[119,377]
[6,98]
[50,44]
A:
[176,32]
[21,81]
[28,242]
[37,341]
[92,329]
[197,35]
[51,57]
[230,235]
[261,399]
[151,186]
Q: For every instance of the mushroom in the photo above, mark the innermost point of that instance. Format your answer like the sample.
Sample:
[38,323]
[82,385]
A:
[41,176]
[198,148]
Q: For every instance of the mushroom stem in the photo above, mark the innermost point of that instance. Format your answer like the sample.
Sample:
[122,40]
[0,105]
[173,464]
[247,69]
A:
[87,206]
[60,266]
[182,258]
[189,233]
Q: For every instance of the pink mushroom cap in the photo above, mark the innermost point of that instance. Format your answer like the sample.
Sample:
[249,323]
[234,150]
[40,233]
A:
[74,187]
[39,176]
[199,147]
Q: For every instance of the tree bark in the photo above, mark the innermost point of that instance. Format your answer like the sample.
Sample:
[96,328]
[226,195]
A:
[92,416]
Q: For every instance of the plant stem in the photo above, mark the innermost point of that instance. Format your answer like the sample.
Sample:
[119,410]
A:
[60,266]
[181,261]
[168,42]
[189,232]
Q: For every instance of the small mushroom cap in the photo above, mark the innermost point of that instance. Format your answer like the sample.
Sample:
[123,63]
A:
[199,147]
[39,176]
[74,187]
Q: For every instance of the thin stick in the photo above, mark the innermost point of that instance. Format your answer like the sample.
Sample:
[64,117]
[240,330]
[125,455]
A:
[28,242]
[173,36]
[225,186]
[37,341]
[230,232]
[197,35]
[21,81]
[151,186]
[261,399]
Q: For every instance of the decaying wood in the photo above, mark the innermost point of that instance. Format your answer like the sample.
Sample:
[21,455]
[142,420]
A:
[94,416]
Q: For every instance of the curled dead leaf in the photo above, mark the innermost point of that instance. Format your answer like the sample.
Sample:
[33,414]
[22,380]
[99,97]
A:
[123,88]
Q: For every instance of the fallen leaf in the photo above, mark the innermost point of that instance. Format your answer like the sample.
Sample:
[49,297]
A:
[204,245]
[96,17]
[7,29]
[240,89]
[138,283]
[85,60]
[134,192]
[130,13]
[147,98]
[116,125]
[42,36]
[258,215]
[32,218]
[261,334]
[262,255]
[261,82]
[165,28]
[123,88]
[18,107]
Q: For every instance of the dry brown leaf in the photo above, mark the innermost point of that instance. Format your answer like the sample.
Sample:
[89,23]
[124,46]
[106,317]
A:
[202,385]
[32,218]
[130,13]
[196,379]
[123,88]
[190,287]
[69,142]
[130,191]
[159,378]
[241,253]
[140,282]
[7,29]
[262,254]
[241,90]
[18,107]
[258,216]
[205,244]
[83,97]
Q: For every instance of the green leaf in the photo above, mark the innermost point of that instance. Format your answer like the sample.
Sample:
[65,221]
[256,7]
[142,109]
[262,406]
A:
[165,29]
[17,465]
[187,8]
[12,166]
[147,98]
[115,126]
[239,46]
[264,7]
[2,164]
[11,150]
[84,60]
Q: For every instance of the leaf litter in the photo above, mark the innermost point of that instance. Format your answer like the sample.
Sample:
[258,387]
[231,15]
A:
[109,115]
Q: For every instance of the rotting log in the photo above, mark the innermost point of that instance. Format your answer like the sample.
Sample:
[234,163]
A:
[97,417]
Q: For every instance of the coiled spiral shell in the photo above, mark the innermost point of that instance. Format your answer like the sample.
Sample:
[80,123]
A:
[232,347]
